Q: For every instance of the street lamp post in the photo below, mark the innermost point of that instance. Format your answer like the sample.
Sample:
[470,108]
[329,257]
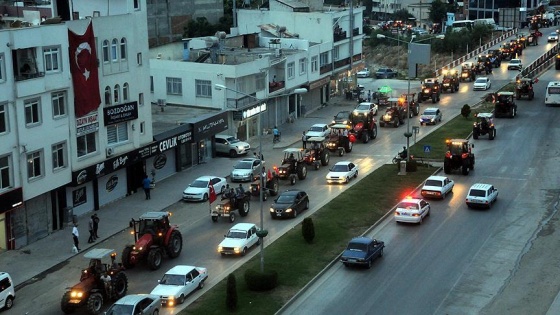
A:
[262,233]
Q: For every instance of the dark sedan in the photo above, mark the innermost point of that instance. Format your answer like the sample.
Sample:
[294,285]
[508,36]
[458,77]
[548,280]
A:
[289,203]
[341,118]
[385,73]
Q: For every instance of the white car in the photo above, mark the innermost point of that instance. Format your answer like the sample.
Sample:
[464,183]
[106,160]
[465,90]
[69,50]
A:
[134,304]
[178,283]
[365,108]
[239,239]
[199,190]
[482,83]
[437,187]
[481,195]
[553,37]
[364,73]
[412,210]
[515,64]
[246,170]
[318,130]
[342,172]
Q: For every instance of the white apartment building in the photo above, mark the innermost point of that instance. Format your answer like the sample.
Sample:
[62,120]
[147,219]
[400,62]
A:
[50,160]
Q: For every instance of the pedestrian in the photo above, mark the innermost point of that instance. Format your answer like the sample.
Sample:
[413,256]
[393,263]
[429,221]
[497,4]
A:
[146,184]
[91,238]
[369,96]
[75,235]
[303,138]
[95,225]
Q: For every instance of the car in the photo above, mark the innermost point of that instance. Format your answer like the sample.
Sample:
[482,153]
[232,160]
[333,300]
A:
[481,196]
[341,117]
[364,73]
[515,64]
[342,172]
[482,83]
[246,170]
[178,282]
[437,187]
[135,304]
[230,145]
[289,203]
[239,239]
[7,291]
[553,37]
[412,210]
[362,251]
[420,31]
[431,115]
[365,108]
[318,130]
[199,190]
[385,73]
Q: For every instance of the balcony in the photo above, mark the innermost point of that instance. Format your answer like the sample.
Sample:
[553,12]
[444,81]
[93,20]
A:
[275,86]
[325,68]
[339,34]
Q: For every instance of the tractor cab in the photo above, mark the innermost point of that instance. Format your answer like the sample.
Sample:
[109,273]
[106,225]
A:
[524,87]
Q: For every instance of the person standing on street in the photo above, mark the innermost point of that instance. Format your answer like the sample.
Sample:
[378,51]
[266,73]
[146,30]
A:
[95,225]
[303,138]
[146,184]
[75,235]
[91,238]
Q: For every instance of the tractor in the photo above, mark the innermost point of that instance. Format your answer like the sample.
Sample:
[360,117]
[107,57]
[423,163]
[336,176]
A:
[271,185]
[505,105]
[431,89]
[394,116]
[484,125]
[450,81]
[293,165]
[316,153]
[363,127]
[153,236]
[340,139]
[408,99]
[233,200]
[458,156]
[468,72]
[524,87]
[92,291]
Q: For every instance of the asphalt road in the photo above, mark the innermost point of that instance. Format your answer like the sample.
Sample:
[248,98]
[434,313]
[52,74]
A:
[201,236]
[462,261]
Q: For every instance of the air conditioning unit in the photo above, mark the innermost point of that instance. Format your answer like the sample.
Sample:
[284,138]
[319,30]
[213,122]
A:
[261,56]
[161,102]
[110,151]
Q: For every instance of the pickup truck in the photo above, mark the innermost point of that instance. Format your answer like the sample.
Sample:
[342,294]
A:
[362,251]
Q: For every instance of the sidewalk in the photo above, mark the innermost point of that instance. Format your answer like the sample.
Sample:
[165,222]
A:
[26,265]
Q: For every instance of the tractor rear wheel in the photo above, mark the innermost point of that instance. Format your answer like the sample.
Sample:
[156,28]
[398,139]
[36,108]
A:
[95,303]
[244,208]
[465,168]
[126,253]
[154,259]
[175,244]
[325,157]
[373,132]
[119,285]
[273,186]
[65,305]
[349,147]
[365,137]
[301,171]
[446,167]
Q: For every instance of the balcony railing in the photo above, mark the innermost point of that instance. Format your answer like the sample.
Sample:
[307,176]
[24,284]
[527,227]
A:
[275,86]
[325,68]
[338,36]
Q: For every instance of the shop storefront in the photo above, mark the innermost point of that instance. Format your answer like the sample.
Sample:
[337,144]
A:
[247,120]
[204,131]
[11,203]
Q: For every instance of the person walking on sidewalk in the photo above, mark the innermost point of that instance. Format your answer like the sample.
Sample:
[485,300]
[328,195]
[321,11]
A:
[75,235]
[91,238]
[146,184]
[95,225]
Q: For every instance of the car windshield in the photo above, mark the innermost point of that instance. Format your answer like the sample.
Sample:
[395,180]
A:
[243,165]
[363,107]
[357,247]
[477,193]
[340,168]
[408,205]
[199,184]
[481,80]
[341,115]
[236,234]
[316,129]
[232,140]
[119,309]
[432,182]
[286,199]
[172,280]
[429,112]
[515,61]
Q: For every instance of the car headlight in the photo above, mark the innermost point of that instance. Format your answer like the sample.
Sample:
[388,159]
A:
[288,210]
[271,209]
[236,250]
[220,249]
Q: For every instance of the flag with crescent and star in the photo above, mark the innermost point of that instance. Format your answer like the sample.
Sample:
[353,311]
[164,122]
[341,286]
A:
[83,67]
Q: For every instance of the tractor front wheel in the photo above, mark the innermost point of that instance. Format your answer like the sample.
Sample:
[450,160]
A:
[65,305]
[126,253]
[95,303]
[154,259]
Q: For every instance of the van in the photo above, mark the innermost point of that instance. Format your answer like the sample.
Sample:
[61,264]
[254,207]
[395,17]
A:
[7,291]
[489,22]
[231,146]
[552,96]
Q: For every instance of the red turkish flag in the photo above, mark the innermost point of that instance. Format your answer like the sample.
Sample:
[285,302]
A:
[213,196]
[83,67]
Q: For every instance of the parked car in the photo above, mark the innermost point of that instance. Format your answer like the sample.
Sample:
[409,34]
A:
[482,83]
[7,291]
[362,251]
[481,196]
[199,190]
[318,130]
[178,282]
[342,172]
[437,187]
[289,203]
[385,73]
[239,239]
[412,210]
[431,115]
[515,64]
[231,146]
[246,170]
[364,73]
[136,304]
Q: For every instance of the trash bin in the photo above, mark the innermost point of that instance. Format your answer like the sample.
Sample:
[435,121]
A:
[402,170]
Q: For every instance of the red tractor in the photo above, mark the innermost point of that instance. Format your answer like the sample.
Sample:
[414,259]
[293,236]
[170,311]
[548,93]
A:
[99,282]
[154,237]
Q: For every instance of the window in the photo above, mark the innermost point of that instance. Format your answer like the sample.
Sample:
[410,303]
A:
[86,144]
[34,165]
[141,99]
[291,70]
[3,118]
[51,56]
[260,80]
[116,94]
[58,156]
[2,69]
[335,53]
[117,133]
[203,88]
[302,65]
[152,84]
[174,86]
[107,95]
[137,4]
[32,112]
[125,92]
[59,104]
[5,172]
[123,48]
[105,51]
[114,46]
[324,58]
[314,64]
[142,128]
[139,59]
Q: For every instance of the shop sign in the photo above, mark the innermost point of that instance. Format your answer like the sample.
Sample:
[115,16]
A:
[11,200]
[87,124]
[174,141]
[160,161]
[79,196]
[255,110]
[210,126]
[112,182]
[120,113]
[319,83]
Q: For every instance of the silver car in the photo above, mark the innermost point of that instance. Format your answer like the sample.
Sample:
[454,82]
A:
[246,170]
[134,304]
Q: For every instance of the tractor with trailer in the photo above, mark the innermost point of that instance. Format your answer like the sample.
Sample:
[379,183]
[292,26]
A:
[233,200]
[92,291]
[458,156]
[154,237]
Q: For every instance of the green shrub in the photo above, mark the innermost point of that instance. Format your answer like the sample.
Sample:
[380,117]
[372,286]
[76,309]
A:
[466,111]
[261,281]
[308,230]
[231,294]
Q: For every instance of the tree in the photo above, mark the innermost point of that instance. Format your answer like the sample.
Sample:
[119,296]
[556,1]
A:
[308,230]
[231,293]
[402,15]
[466,110]
[438,11]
